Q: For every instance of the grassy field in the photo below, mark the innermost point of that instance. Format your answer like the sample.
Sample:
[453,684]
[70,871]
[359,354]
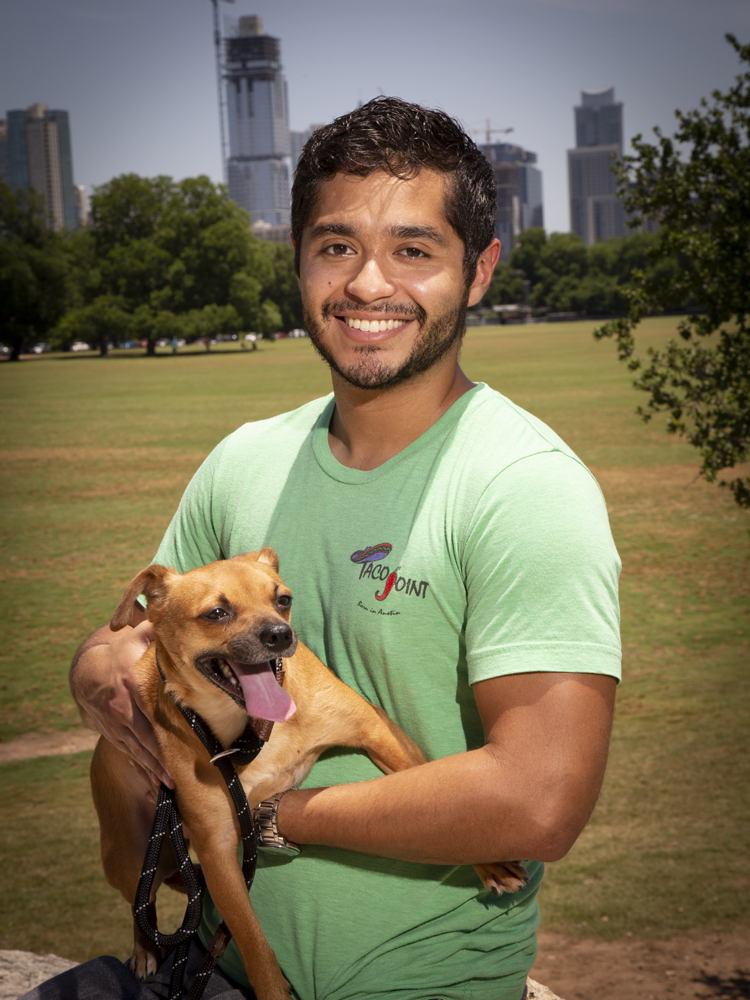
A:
[97,452]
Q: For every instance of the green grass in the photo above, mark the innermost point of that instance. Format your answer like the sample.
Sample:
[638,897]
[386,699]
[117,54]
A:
[96,453]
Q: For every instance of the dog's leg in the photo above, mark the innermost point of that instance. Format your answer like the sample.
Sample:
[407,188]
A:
[125,820]
[214,831]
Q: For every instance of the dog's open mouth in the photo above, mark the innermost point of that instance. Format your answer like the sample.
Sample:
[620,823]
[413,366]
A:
[252,685]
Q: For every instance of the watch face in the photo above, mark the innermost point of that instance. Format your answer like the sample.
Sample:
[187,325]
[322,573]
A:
[280,850]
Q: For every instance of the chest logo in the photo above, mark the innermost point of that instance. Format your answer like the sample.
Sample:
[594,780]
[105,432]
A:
[391,580]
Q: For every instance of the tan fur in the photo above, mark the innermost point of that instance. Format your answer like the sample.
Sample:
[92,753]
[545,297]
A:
[328,714]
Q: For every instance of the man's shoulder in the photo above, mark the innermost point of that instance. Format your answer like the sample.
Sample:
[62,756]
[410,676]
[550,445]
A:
[501,433]
[285,431]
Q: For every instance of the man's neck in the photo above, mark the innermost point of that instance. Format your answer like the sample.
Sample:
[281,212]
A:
[370,426]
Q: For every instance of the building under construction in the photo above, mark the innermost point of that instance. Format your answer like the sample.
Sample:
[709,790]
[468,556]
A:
[259,164]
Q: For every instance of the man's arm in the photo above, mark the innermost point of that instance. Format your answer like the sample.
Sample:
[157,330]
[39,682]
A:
[102,681]
[526,795]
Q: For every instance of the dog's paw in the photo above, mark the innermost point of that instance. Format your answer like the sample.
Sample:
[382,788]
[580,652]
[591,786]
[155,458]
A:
[143,963]
[503,876]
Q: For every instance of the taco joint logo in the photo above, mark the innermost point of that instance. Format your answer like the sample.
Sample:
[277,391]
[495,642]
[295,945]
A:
[367,559]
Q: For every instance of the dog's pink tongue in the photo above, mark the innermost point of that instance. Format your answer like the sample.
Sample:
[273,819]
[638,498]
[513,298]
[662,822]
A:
[265,698]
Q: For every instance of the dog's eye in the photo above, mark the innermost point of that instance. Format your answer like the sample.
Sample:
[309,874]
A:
[284,600]
[216,614]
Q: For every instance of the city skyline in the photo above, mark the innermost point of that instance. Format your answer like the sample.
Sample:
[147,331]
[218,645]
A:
[139,80]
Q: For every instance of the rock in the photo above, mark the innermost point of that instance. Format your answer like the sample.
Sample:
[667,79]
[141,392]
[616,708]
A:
[535,991]
[21,971]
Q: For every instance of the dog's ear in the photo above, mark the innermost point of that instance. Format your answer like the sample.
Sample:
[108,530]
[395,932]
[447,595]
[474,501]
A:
[152,583]
[269,557]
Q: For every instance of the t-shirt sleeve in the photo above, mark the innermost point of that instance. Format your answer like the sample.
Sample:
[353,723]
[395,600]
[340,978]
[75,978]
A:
[541,571]
[192,539]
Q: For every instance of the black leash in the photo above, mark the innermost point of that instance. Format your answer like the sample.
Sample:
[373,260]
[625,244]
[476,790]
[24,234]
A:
[167,819]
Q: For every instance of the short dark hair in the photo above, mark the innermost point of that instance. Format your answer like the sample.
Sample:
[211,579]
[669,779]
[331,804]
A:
[400,138]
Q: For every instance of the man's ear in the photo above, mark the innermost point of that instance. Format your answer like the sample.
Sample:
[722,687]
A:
[152,583]
[485,267]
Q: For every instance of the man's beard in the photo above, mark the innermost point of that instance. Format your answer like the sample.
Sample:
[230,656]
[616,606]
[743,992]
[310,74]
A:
[371,370]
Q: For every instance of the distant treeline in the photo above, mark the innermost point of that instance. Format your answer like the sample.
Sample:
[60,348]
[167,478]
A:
[160,259]
[565,275]
[166,259]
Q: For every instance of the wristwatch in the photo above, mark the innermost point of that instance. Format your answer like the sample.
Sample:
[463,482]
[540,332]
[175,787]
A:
[267,833]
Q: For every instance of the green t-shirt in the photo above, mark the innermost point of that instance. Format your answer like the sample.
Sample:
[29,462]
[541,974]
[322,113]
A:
[482,549]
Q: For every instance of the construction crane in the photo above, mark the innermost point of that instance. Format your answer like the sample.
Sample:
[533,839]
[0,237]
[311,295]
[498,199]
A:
[222,112]
[488,132]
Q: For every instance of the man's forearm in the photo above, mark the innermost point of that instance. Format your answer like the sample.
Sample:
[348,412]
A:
[465,809]
[526,794]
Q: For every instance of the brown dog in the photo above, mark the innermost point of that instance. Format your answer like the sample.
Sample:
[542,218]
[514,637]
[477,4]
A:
[218,630]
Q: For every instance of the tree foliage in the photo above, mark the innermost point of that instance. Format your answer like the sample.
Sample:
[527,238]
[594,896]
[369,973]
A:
[697,185]
[567,276]
[32,271]
[167,259]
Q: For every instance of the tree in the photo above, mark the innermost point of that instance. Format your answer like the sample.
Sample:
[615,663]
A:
[697,186]
[167,258]
[32,270]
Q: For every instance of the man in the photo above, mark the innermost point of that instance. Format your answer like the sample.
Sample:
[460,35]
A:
[450,559]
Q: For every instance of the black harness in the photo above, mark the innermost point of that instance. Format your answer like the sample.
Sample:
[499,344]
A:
[243,751]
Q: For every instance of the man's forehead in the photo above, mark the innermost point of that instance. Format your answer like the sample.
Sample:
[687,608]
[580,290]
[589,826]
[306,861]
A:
[345,202]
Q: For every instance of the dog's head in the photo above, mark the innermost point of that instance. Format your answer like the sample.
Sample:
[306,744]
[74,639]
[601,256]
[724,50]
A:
[223,627]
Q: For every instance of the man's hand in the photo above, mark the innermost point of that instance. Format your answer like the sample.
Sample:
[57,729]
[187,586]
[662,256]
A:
[104,686]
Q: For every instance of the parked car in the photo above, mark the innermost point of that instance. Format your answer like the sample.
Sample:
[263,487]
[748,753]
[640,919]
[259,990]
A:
[79,346]
[127,344]
[298,333]
[280,335]
[40,348]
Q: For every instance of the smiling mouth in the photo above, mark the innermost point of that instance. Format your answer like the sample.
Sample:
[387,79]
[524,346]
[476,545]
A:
[374,325]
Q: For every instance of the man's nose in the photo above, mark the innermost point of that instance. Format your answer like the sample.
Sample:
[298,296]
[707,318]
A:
[370,282]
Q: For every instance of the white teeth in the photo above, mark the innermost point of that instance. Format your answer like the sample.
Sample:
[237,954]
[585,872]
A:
[228,672]
[374,325]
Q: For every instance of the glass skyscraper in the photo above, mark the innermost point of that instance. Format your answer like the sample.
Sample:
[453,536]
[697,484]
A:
[596,213]
[259,165]
[39,156]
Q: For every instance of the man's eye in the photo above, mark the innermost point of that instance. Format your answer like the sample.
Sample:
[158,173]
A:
[338,250]
[216,614]
[413,253]
[284,600]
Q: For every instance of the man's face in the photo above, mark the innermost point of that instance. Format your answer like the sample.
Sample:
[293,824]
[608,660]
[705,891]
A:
[381,272]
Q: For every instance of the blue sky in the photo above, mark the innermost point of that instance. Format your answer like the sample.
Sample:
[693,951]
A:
[138,77]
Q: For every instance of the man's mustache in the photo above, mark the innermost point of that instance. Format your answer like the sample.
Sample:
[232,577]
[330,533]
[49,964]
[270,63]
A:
[344,305]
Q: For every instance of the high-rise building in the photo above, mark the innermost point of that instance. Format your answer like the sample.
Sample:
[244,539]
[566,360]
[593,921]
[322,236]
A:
[596,213]
[258,169]
[4,153]
[519,192]
[39,156]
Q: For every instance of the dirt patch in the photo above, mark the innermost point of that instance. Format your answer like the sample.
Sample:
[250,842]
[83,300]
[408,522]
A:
[32,745]
[690,966]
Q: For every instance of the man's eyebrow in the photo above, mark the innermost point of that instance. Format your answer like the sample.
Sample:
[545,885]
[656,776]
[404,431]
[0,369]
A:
[418,233]
[332,229]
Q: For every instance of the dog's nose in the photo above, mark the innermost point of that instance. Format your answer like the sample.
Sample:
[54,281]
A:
[277,637]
